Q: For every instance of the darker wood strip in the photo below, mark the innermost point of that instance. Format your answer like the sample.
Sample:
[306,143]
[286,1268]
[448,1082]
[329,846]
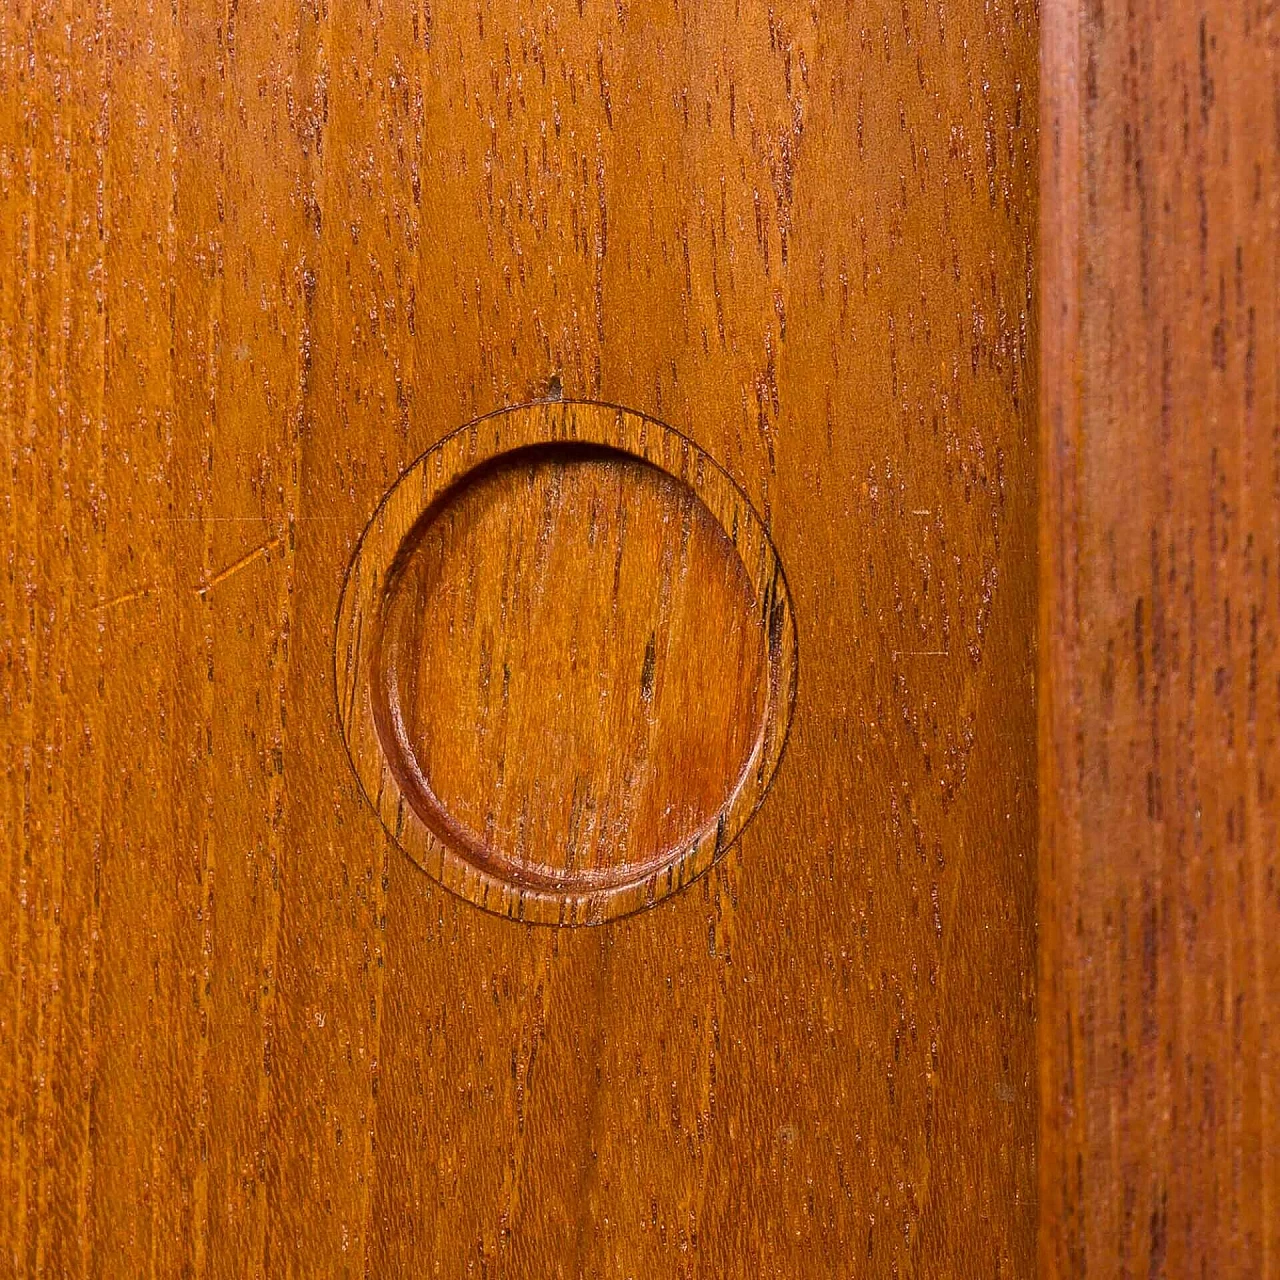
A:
[1160,547]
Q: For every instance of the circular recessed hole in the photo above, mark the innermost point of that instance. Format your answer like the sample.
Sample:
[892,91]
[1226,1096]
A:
[566,661]
[573,669]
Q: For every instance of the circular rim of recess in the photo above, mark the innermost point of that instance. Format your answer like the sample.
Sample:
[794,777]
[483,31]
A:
[363,698]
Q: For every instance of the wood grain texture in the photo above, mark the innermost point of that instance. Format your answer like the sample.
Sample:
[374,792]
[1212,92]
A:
[256,259]
[1160,617]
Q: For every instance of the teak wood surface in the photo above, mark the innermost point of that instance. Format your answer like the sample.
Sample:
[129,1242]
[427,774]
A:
[1159,910]
[255,260]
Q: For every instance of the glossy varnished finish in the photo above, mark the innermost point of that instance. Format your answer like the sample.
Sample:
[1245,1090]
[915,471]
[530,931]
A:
[255,261]
[1160,702]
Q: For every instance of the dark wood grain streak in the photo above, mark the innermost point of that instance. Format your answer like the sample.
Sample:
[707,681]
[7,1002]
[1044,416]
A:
[1160,648]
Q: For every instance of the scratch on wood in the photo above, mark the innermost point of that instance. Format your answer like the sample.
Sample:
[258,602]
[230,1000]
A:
[137,593]
[242,563]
